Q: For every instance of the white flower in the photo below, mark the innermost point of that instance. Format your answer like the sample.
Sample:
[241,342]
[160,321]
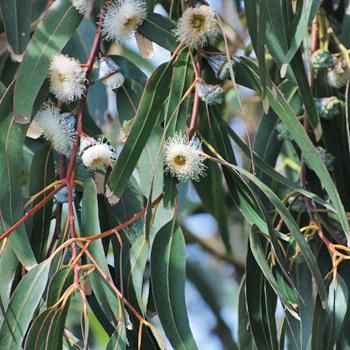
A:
[67,78]
[81,6]
[339,75]
[58,128]
[85,142]
[197,26]
[183,159]
[96,154]
[122,19]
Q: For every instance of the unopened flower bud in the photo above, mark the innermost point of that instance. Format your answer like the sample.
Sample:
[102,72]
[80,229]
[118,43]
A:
[283,133]
[109,73]
[220,65]
[322,60]
[329,107]
[210,94]
[339,74]
[327,158]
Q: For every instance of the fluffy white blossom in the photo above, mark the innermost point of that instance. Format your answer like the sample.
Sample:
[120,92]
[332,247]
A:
[96,154]
[67,78]
[122,19]
[57,128]
[197,26]
[183,159]
[82,6]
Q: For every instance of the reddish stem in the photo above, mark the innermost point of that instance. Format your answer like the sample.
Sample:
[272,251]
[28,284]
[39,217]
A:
[195,109]
[31,212]
[128,222]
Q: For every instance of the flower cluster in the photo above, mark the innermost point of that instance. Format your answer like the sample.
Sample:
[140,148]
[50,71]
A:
[122,19]
[197,26]
[67,78]
[183,159]
[96,154]
[58,128]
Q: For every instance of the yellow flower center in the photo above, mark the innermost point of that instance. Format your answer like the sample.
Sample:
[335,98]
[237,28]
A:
[98,162]
[197,21]
[132,22]
[61,77]
[180,160]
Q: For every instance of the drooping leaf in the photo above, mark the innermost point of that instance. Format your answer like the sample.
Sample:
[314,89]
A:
[168,273]
[160,30]
[146,118]
[49,38]
[47,329]
[90,226]
[22,306]
[11,201]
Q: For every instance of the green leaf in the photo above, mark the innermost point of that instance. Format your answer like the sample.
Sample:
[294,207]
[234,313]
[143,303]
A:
[300,21]
[257,19]
[47,329]
[318,325]
[23,304]
[260,257]
[245,338]
[337,306]
[146,117]
[168,273]
[11,161]
[16,17]
[138,260]
[8,266]
[176,113]
[285,113]
[293,227]
[273,174]
[129,95]
[212,194]
[159,29]
[41,174]
[297,65]
[118,340]
[91,226]
[254,295]
[49,39]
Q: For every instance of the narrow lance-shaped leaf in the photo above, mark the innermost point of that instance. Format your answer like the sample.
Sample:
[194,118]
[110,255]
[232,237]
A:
[16,15]
[91,226]
[146,117]
[168,273]
[291,224]
[23,304]
[11,200]
[49,39]
[285,113]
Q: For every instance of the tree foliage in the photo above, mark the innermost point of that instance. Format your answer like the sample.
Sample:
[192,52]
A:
[94,233]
